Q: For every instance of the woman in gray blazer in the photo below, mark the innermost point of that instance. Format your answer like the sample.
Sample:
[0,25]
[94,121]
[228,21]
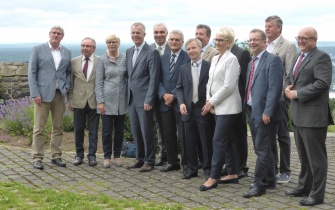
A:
[224,100]
[111,95]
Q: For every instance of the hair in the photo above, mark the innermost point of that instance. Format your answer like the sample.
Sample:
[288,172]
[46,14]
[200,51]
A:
[58,28]
[277,21]
[208,29]
[93,41]
[138,24]
[113,36]
[178,32]
[262,33]
[194,39]
[228,34]
[161,24]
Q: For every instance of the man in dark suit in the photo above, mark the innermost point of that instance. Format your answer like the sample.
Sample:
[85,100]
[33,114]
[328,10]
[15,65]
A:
[308,88]
[143,77]
[49,81]
[82,101]
[286,50]
[191,96]
[160,34]
[170,66]
[262,108]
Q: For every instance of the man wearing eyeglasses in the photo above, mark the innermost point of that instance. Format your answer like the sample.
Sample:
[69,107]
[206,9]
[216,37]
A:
[49,81]
[82,101]
[307,86]
[286,50]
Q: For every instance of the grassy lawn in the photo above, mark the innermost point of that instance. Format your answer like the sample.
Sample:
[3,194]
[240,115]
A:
[17,196]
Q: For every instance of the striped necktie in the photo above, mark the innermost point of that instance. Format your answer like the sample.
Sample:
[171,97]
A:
[172,63]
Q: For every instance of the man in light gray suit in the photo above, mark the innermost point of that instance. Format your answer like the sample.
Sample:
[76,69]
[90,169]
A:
[82,101]
[160,35]
[307,86]
[143,77]
[286,50]
[49,81]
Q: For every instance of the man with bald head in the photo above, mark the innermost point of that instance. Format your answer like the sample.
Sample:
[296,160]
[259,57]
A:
[307,86]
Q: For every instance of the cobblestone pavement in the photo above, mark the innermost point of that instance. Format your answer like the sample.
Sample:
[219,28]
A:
[156,186]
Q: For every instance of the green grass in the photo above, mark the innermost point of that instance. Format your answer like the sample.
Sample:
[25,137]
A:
[331,128]
[17,196]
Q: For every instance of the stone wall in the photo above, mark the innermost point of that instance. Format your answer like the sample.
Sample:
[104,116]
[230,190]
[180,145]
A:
[13,80]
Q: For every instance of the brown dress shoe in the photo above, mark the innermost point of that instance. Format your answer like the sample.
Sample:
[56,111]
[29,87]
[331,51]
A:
[136,164]
[146,168]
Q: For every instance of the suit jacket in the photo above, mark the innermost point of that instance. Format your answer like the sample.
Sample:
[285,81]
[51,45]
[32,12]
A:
[266,87]
[222,86]
[209,54]
[82,91]
[311,108]
[167,48]
[143,78]
[42,73]
[168,84]
[185,87]
[243,57]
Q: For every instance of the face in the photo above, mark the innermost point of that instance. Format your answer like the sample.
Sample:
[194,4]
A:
[55,36]
[113,45]
[137,35]
[221,43]
[201,34]
[306,40]
[175,42]
[193,51]
[256,44]
[160,35]
[271,30]
[87,48]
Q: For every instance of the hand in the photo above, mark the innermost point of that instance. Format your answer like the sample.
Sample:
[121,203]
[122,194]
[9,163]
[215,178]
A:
[70,108]
[291,94]
[207,108]
[168,98]
[38,100]
[266,119]
[183,109]
[147,107]
[101,108]
[212,110]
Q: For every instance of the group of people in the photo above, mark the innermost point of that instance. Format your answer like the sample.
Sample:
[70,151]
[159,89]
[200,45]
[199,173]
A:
[201,99]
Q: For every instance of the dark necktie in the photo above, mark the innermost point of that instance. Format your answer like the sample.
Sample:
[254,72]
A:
[250,77]
[85,67]
[301,57]
[172,63]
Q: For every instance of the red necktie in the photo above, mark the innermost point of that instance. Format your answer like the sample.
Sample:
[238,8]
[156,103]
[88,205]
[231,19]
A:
[298,65]
[250,77]
[85,67]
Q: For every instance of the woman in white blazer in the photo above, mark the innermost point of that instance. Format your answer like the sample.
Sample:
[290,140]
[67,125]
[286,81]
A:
[223,100]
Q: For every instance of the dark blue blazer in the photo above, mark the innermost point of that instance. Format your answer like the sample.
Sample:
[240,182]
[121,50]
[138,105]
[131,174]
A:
[266,88]
[168,84]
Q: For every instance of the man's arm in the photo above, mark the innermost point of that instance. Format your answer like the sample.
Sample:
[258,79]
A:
[153,68]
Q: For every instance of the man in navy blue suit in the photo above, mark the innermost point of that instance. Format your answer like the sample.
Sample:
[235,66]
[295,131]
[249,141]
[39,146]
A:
[168,105]
[262,109]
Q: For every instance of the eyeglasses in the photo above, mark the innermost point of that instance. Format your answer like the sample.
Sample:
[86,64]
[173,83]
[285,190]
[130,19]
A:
[54,33]
[219,40]
[303,39]
[254,40]
[112,43]
[87,46]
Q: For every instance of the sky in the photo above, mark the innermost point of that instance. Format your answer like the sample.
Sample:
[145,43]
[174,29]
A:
[29,21]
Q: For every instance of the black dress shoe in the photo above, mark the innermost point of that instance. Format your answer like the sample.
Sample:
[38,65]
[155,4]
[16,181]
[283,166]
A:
[228,181]
[242,174]
[295,193]
[38,164]
[92,161]
[136,164]
[170,167]
[78,161]
[58,162]
[189,175]
[160,161]
[268,186]
[146,168]
[204,188]
[254,192]
[309,201]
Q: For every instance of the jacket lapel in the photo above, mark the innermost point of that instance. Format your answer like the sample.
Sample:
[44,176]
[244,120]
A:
[259,66]
[49,55]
